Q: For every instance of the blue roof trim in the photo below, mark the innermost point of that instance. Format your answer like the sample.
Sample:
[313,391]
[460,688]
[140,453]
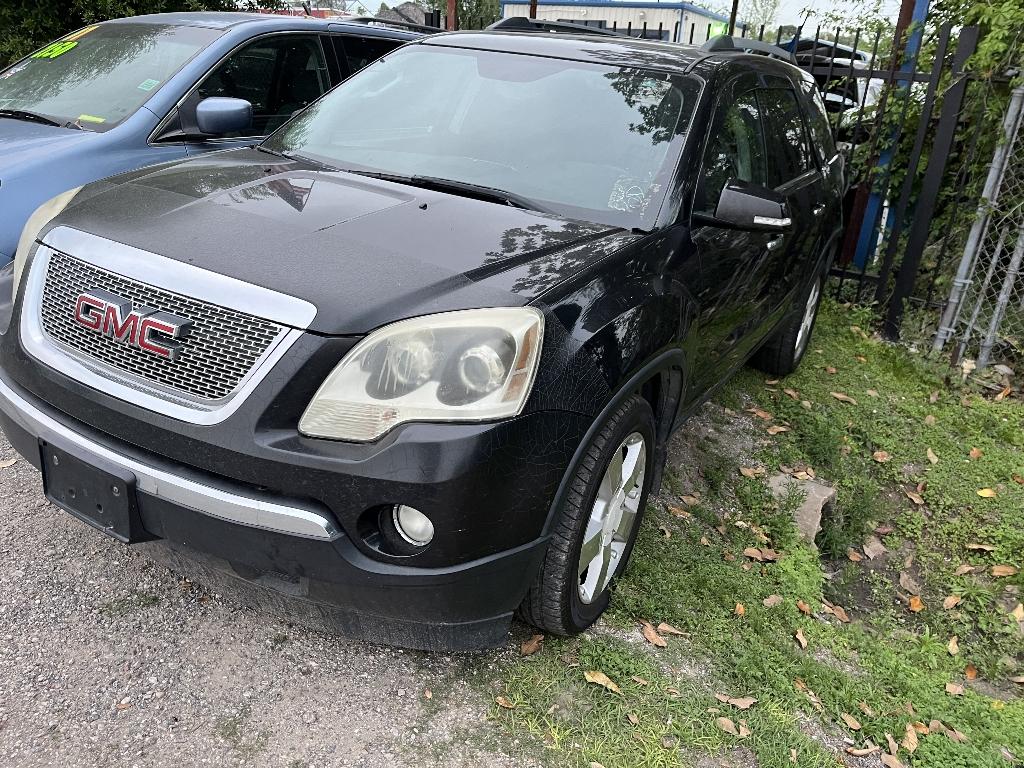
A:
[679,6]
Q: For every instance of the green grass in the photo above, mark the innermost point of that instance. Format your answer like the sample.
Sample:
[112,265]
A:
[888,660]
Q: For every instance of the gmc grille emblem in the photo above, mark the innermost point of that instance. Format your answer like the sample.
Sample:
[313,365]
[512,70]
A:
[150,330]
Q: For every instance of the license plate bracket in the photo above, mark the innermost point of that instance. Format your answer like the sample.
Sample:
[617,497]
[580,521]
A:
[94,491]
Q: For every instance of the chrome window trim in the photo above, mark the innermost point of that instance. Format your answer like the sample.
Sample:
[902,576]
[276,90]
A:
[206,499]
[169,275]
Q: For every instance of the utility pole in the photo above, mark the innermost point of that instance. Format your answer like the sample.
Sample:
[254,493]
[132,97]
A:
[533,9]
[453,16]
[732,16]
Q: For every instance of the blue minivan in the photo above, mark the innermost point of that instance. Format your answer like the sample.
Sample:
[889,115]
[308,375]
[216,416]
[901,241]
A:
[129,93]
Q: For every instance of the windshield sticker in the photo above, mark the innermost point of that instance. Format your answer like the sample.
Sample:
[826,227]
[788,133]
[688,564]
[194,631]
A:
[91,119]
[631,195]
[148,85]
[81,33]
[53,50]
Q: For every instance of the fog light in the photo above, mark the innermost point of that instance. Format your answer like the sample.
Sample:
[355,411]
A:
[412,525]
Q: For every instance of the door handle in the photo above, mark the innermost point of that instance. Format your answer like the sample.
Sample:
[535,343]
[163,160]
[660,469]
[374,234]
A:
[774,243]
[818,209]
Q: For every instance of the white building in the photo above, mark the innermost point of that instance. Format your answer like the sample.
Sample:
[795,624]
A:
[675,21]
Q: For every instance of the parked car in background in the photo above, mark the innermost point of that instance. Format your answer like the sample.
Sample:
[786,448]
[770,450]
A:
[412,363]
[133,92]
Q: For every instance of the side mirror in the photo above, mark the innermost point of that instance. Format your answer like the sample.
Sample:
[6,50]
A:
[218,115]
[750,206]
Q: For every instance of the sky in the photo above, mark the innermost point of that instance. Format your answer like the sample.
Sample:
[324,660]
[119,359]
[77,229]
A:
[791,11]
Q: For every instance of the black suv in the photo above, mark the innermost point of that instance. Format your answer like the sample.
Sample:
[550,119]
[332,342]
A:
[410,365]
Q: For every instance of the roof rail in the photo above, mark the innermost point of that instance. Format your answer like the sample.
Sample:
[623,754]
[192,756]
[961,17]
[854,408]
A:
[726,44]
[368,20]
[523,24]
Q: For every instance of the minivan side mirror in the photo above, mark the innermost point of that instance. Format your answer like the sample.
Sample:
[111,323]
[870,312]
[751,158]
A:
[743,205]
[218,115]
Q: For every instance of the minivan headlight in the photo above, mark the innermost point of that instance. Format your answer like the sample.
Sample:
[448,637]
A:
[39,219]
[470,365]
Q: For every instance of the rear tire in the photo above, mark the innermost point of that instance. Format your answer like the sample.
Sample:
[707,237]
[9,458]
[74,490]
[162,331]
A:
[784,350]
[601,511]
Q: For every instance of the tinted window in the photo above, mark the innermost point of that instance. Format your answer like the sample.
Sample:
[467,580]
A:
[817,122]
[735,151]
[100,75]
[604,150]
[277,75]
[786,134]
[360,51]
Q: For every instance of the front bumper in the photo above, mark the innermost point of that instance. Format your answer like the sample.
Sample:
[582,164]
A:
[293,551]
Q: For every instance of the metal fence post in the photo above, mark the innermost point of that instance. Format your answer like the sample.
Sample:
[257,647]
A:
[989,197]
[1009,280]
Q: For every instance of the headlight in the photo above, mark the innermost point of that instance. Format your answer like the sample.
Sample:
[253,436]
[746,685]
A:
[39,219]
[472,365]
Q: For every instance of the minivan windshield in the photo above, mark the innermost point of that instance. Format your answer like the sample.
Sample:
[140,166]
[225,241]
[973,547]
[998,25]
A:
[589,141]
[99,75]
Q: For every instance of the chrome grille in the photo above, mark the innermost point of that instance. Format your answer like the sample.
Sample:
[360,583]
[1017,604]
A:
[221,349]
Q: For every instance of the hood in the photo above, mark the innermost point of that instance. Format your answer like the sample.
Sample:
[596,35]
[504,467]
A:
[24,144]
[364,252]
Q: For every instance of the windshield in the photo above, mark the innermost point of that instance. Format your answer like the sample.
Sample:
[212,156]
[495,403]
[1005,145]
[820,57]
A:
[99,75]
[588,141]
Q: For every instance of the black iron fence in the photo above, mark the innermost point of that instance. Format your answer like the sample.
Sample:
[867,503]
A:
[897,106]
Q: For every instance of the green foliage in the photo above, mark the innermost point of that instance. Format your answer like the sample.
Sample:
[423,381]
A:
[473,14]
[26,25]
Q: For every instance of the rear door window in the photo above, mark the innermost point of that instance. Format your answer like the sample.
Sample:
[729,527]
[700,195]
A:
[357,51]
[817,122]
[786,134]
[277,75]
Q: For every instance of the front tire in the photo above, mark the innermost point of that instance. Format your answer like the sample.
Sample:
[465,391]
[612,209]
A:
[784,350]
[597,524]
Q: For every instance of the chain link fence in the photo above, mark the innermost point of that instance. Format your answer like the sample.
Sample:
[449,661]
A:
[984,316]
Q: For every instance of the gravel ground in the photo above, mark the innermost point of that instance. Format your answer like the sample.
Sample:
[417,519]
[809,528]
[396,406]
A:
[108,659]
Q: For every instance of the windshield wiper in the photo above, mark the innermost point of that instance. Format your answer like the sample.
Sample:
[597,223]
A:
[32,117]
[463,188]
[261,148]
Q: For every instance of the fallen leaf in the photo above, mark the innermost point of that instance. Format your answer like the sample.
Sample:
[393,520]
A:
[954,689]
[633,719]
[953,646]
[668,629]
[740,609]
[1018,612]
[595,764]
[792,756]
[727,725]
[864,707]
[504,703]
[955,735]
[891,761]
[800,685]
[751,471]
[1002,394]
[792,393]
[760,414]
[853,555]
[1018,479]
[881,456]
[987,493]
[916,604]
[951,602]
[665,531]
[841,614]
[600,678]
[914,496]
[800,638]
[804,607]
[1007,755]
[531,646]
[971,672]
[961,570]
[1019,679]
[744,730]
[908,583]
[776,429]
[745,702]
[427,693]
[851,721]
[934,397]
[639,680]
[931,456]
[679,512]
[762,555]
[705,542]
[8,463]
[874,547]
[929,420]
[981,547]
[651,634]
[1000,571]
[843,398]
[805,404]
[893,746]
[771,382]
[690,500]
[831,370]
[872,392]
[863,751]
[772,600]
[975,453]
